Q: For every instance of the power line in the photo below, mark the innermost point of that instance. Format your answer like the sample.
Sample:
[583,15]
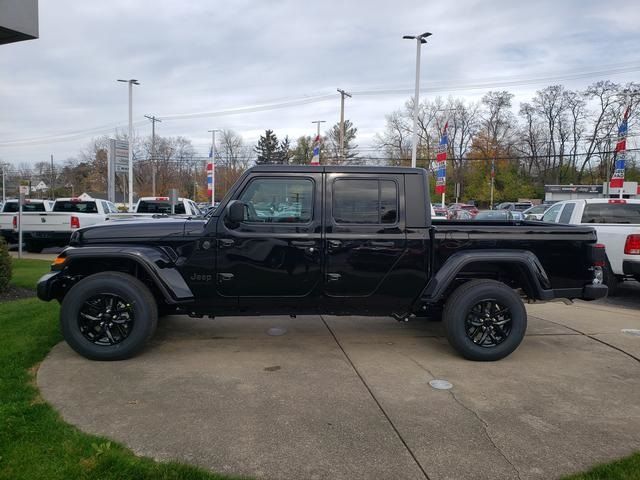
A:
[267,106]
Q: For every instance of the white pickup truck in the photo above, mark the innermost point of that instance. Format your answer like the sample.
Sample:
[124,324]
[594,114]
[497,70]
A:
[54,228]
[9,215]
[617,223]
[162,206]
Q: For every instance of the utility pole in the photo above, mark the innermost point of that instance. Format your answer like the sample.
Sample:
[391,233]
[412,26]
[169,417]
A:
[153,119]
[342,132]
[4,190]
[53,181]
[316,150]
[420,39]
[131,83]
[213,165]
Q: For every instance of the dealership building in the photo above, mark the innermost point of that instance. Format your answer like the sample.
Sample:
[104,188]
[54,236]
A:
[557,193]
[18,20]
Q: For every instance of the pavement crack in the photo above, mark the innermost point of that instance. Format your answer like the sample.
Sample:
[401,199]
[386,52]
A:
[637,359]
[377,402]
[485,425]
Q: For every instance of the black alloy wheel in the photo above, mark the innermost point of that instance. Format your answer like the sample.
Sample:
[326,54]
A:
[106,319]
[488,323]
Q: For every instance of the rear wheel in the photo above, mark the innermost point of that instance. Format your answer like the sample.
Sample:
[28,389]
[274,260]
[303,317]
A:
[484,320]
[108,316]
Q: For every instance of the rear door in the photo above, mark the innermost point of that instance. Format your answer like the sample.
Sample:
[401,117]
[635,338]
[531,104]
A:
[365,234]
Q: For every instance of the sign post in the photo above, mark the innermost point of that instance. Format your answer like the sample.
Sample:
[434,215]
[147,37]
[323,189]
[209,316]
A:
[173,199]
[24,190]
[118,164]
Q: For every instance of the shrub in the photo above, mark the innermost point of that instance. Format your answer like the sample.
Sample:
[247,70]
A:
[5,265]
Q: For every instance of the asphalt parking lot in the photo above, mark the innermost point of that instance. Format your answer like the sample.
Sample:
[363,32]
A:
[349,397]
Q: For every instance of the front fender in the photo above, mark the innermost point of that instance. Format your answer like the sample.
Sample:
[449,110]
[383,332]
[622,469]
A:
[156,262]
[538,281]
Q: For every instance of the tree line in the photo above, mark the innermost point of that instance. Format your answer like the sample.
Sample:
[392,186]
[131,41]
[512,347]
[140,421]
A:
[559,136]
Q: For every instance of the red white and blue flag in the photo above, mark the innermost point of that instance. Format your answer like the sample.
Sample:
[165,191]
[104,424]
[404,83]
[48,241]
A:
[441,159]
[210,174]
[620,153]
[316,151]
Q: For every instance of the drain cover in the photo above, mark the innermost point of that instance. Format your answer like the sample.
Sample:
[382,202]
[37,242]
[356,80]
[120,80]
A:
[276,331]
[631,331]
[440,384]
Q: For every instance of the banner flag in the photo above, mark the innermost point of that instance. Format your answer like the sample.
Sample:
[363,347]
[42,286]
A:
[441,159]
[620,153]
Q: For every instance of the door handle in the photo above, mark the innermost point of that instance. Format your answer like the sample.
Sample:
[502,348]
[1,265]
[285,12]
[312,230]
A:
[375,243]
[303,243]
[334,244]
[225,277]
[333,277]
[226,242]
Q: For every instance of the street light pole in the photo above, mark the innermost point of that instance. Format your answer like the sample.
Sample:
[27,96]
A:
[420,39]
[131,83]
[342,133]
[213,165]
[4,194]
[153,151]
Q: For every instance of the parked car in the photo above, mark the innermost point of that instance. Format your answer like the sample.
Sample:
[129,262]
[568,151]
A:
[440,212]
[617,223]
[501,215]
[9,215]
[455,208]
[536,212]
[54,228]
[520,206]
[354,240]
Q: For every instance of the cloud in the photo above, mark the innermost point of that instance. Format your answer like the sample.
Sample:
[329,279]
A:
[207,56]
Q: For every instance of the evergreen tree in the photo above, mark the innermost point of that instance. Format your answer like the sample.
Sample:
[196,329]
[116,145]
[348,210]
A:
[267,149]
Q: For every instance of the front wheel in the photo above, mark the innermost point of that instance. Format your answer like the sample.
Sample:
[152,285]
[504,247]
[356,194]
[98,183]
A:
[484,320]
[108,316]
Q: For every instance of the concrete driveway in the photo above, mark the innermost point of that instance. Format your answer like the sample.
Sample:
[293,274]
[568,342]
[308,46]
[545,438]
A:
[349,398]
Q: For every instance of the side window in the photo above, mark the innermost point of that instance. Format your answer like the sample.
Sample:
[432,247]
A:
[551,215]
[278,200]
[365,202]
[565,216]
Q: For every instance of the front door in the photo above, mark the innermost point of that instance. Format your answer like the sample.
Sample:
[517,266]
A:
[276,251]
[365,238]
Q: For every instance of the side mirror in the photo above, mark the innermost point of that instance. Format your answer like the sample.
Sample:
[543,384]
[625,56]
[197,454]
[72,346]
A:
[235,211]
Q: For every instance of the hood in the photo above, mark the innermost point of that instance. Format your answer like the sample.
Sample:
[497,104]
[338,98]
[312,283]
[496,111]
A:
[135,229]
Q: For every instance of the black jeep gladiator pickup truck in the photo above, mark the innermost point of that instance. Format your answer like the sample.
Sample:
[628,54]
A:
[308,240]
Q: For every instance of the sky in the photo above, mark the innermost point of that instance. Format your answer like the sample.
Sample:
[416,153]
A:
[204,64]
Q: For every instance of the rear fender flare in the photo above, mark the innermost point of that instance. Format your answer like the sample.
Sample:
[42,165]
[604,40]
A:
[526,261]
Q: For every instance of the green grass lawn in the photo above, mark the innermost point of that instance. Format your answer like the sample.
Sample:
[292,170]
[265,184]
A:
[27,272]
[34,442]
[626,469]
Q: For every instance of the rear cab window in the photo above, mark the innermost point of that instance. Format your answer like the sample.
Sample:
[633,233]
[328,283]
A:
[160,207]
[12,207]
[73,206]
[365,202]
[612,212]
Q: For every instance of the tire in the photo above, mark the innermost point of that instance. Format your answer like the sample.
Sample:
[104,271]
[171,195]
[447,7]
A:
[34,247]
[466,307]
[137,317]
[610,280]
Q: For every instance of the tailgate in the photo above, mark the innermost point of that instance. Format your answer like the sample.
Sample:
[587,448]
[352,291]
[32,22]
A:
[46,222]
[614,237]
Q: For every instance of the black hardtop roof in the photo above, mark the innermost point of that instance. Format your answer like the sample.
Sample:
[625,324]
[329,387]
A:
[336,169]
